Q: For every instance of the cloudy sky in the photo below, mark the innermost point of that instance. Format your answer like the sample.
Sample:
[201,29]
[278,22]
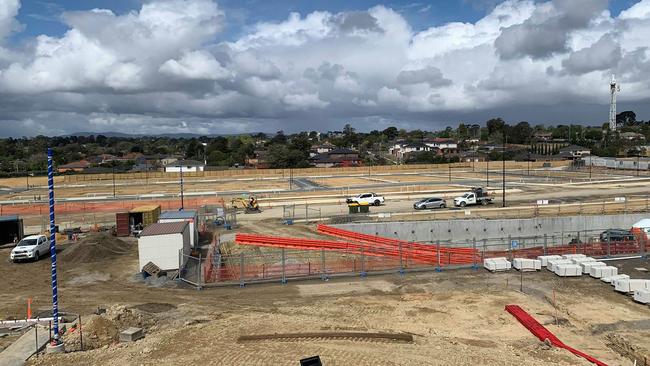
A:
[231,66]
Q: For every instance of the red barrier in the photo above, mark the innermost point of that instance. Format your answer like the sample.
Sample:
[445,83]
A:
[543,334]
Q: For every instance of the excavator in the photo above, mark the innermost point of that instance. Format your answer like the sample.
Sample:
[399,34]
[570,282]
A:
[249,206]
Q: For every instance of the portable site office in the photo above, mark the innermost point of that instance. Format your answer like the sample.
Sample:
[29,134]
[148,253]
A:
[161,243]
[190,216]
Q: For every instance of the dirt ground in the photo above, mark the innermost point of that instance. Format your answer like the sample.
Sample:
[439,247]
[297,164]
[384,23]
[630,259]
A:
[456,317]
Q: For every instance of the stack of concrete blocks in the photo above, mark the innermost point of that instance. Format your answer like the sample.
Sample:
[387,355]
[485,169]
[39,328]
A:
[631,285]
[525,264]
[552,264]
[567,270]
[642,295]
[582,260]
[586,266]
[612,280]
[573,256]
[545,258]
[497,264]
[603,271]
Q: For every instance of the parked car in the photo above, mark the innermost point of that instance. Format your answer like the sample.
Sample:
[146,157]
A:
[31,247]
[478,196]
[616,235]
[432,202]
[366,198]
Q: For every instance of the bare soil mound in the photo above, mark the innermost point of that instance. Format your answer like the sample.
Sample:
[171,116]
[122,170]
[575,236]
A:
[95,248]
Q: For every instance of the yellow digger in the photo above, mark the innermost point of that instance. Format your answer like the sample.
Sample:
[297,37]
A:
[249,206]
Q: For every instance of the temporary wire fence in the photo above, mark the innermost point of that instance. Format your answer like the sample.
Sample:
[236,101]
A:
[284,264]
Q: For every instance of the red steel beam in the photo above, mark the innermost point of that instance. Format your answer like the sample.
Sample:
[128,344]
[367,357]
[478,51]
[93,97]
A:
[543,334]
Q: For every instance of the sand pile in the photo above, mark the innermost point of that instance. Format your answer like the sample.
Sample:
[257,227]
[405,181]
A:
[96,247]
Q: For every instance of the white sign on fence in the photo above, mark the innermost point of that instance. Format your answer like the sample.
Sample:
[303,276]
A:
[619,199]
[542,202]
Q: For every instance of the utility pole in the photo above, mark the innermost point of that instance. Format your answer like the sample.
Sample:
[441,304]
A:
[113,180]
[182,200]
[503,159]
[449,165]
[487,171]
[57,342]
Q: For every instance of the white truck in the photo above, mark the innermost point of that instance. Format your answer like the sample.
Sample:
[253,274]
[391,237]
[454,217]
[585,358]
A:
[366,199]
[31,247]
[478,196]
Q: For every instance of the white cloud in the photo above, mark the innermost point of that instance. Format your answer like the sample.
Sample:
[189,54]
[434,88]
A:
[195,65]
[165,60]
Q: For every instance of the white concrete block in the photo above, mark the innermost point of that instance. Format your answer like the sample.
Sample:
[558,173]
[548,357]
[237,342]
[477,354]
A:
[545,258]
[612,279]
[582,260]
[568,270]
[525,264]
[497,264]
[553,263]
[586,266]
[571,256]
[630,285]
[603,271]
[642,295]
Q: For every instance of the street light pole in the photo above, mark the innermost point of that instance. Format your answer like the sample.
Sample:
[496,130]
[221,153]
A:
[487,171]
[182,198]
[503,159]
[113,181]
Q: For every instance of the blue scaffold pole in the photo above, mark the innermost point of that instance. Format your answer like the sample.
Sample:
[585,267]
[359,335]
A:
[55,301]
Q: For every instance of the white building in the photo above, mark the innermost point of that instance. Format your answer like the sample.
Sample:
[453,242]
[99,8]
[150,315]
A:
[161,243]
[442,143]
[190,216]
[188,166]
[401,149]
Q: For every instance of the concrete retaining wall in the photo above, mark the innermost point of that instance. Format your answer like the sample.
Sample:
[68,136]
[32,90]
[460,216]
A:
[461,231]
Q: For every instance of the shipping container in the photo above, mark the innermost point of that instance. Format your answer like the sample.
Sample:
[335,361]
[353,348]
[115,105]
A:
[11,229]
[143,216]
[122,224]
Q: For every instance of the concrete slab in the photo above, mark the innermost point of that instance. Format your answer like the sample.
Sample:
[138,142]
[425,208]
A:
[525,264]
[24,347]
[553,263]
[642,295]
[497,264]
[603,271]
[612,280]
[586,266]
[631,285]
[131,334]
[568,270]
[545,258]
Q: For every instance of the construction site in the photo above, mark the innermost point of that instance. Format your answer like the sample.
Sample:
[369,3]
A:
[546,264]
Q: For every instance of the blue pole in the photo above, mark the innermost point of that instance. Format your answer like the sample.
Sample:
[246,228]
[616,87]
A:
[55,300]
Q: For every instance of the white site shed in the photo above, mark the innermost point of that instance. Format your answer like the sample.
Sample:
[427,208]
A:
[192,218]
[161,243]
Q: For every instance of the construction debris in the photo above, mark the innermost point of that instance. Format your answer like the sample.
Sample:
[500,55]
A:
[131,334]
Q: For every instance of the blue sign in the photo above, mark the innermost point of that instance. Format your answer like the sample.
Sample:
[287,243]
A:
[514,243]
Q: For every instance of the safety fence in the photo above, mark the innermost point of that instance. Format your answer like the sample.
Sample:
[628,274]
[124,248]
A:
[286,173]
[106,206]
[361,256]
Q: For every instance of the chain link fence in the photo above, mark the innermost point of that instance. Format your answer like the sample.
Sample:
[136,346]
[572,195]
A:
[282,265]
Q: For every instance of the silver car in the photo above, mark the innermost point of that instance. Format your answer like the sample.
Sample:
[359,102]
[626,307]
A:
[432,202]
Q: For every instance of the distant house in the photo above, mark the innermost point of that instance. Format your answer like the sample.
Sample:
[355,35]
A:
[573,152]
[103,158]
[336,158]
[187,166]
[321,149]
[446,146]
[401,150]
[76,166]
[258,160]
[632,136]
[542,136]
[166,160]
